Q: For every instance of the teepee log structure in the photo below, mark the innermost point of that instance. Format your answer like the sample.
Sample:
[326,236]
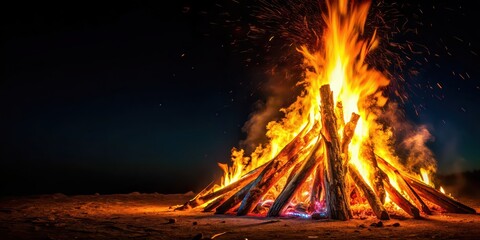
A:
[317,162]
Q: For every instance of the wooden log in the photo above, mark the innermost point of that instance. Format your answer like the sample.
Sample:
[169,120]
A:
[348,132]
[339,115]
[336,197]
[368,193]
[290,151]
[234,200]
[406,187]
[294,171]
[194,200]
[399,199]
[376,176]
[270,175]
[199,200]
[412,194]
[430,193]
[316,191]
[438,198]
[297,180]
[216,202]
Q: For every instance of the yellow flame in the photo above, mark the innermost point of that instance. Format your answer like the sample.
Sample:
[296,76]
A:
[339,60]
[442,190]
[425,178]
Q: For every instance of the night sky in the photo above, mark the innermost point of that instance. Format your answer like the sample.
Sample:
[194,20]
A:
[115,98]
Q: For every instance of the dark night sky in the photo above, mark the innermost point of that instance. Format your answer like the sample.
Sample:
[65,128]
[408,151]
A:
[148,97]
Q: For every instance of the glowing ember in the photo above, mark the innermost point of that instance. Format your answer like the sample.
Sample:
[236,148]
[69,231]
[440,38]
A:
[305,168]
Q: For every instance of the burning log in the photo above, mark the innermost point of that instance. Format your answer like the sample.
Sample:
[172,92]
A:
[413,195]
[234,200]
[316,191]
[430,193]
[372,198]
[294,171]
[217,202]
[339,115]
[300,176]
[437,197]
[376,176]
[407,188]
[272,173]
[348,132]
[199,200]
[368,193]
[335,195]
[194,201]
[288,152]
[399,199]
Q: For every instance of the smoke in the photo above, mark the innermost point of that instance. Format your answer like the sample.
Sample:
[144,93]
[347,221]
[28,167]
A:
[419,154]
[281,91]
[411,140]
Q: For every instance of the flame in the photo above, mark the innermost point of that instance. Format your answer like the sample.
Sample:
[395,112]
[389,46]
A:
[338,60]
[425,177]
[442,190]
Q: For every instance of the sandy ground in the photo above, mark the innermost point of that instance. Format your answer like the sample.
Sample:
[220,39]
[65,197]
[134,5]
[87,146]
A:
[148,216]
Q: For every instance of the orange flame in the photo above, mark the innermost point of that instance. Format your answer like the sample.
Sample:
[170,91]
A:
[339,60]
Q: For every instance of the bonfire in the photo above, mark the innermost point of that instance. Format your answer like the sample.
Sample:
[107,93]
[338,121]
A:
[330,157]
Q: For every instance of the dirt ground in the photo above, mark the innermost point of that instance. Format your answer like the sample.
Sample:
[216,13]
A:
[148,216]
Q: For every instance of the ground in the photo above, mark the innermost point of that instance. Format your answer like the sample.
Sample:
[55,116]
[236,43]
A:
[149,216]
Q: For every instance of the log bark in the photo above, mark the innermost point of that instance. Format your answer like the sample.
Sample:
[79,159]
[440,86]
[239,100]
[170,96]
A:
[399,199]
[376,176]
[297,180]
[336,197]
[368,193]
[430,193]
[279,167]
